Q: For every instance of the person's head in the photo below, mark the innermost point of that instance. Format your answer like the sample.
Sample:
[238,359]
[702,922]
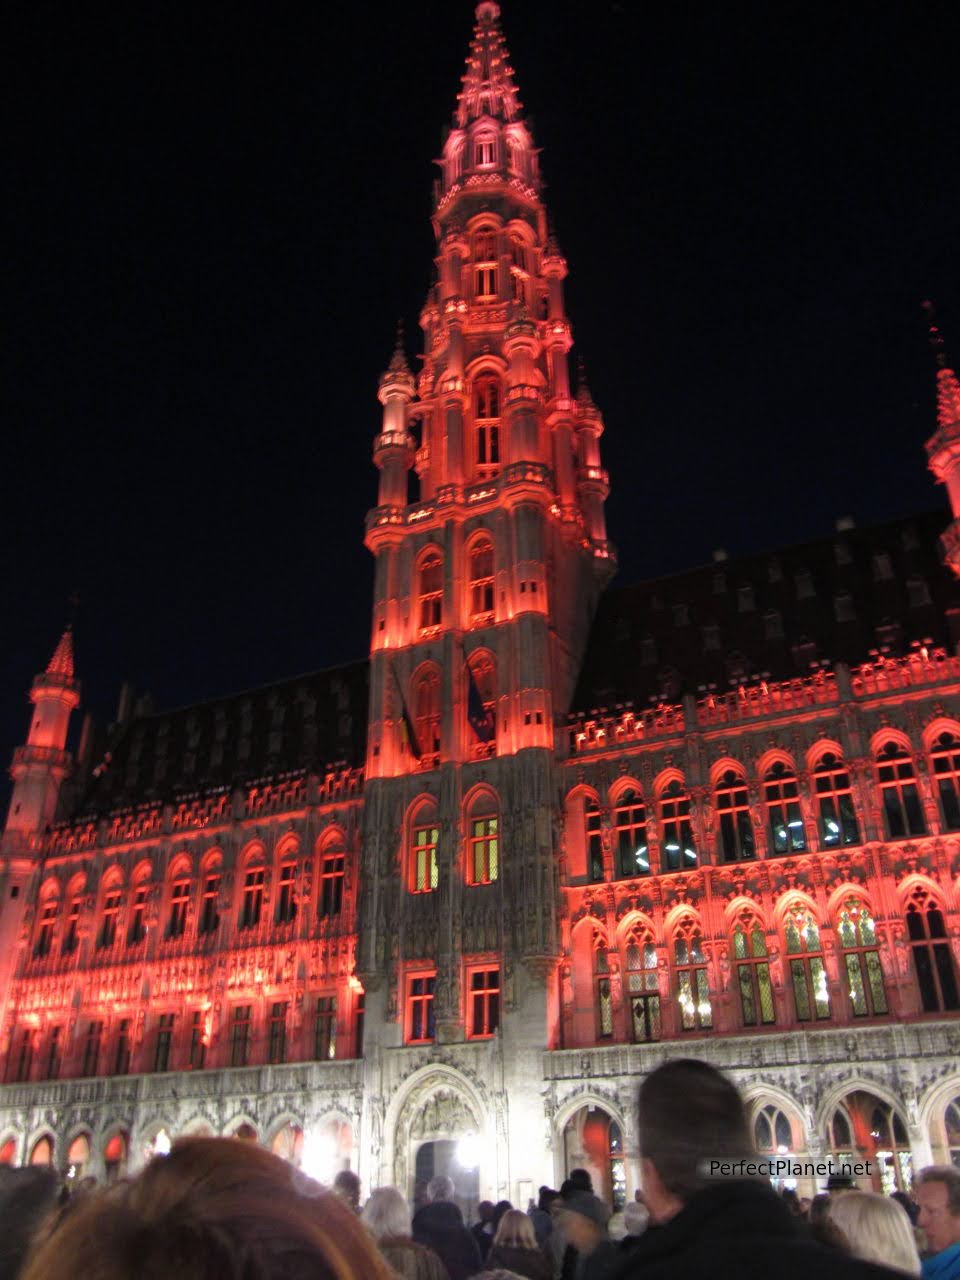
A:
[908,1206]
[440,1188]
[499,1209]
[581,1180]
[584,1221]
[791,1200]
[818,1207]
[938,1195]
[214,1209]
[876,1229]
[546,1198]
[515,1231]
[636,1218]
[27,1199]
[387,1215]
[485,1211]
[689,1114]
[347,1186]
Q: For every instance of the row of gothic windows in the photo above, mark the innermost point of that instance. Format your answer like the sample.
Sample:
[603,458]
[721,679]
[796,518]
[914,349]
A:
[480,586]
[482,843]
[862,977]
[184,892]
[832,799]
[482,993]
[180,1040]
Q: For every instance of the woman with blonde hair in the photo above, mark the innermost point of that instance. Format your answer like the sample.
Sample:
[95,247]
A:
[213,1209]
[876,1229]
[386,1215]
[515,1249]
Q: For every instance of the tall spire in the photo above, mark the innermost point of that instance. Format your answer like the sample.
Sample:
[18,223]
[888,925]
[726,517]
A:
[943,447]
[488,84]
[61,664]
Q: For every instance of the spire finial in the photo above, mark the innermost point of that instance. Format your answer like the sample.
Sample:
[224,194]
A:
[583,389]
[948,388]
[61,664]
[936,337]
[398,361]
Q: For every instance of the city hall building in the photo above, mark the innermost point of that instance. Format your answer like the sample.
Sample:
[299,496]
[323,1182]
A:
[443,908]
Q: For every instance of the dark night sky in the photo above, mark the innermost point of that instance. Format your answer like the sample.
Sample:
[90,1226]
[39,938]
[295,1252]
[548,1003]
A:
[214,214]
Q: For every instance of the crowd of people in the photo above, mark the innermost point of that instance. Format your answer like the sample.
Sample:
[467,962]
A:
[219,1209]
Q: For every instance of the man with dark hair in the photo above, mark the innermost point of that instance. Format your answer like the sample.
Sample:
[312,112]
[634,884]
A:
[705,1220]
[938,1195]
[347,1186]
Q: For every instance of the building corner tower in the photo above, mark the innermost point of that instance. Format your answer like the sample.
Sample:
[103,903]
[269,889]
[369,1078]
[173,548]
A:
[38,770]
[485,587]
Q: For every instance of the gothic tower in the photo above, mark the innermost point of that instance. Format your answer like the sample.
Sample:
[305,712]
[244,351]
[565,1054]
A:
[943,447]
[486,584]
[38,769]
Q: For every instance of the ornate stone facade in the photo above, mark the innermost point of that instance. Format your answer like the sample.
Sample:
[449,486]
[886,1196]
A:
[498,909]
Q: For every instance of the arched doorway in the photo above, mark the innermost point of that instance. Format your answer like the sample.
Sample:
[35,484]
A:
[440,1131]
[287,1143]
[864,1127]
[42,1152]
[593,1140]
[78,1157]
[115,1156]
[8,1151]
[327,1150]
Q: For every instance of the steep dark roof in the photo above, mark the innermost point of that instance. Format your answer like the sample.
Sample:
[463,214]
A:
[307,722]
[772,616]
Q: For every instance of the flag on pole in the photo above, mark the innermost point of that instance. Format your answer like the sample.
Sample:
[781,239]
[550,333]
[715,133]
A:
[479,716]
[408,734]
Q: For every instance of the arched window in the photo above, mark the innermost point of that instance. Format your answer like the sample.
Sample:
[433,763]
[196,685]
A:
[951,1122]
[46,923]
[592,821]
[808,976]
[424,837]
[630,834]
[861,960]
[945,761]
[781,795]
[42,1152]
[179,902]
[486,425]
[771,1132]
[426,704]
[643,985]
[485,272]
[836,814]
[898,788]
[483,840]
[481,581]
[603,1001]
[677,850]
[753,972]
[733,810]
[693,986]
[110,915]
[431,592]
[932,961]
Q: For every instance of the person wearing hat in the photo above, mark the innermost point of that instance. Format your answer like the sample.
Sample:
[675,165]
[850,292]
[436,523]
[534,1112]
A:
[584,1225]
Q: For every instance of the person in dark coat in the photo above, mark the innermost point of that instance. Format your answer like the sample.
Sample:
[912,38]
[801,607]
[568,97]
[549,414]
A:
[483,1229]
[439,1225]
[715,1226]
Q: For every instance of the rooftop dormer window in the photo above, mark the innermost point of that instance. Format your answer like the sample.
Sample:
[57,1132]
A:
[485,151]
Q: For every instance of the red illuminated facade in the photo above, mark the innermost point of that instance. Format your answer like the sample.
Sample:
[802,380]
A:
[568,833]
